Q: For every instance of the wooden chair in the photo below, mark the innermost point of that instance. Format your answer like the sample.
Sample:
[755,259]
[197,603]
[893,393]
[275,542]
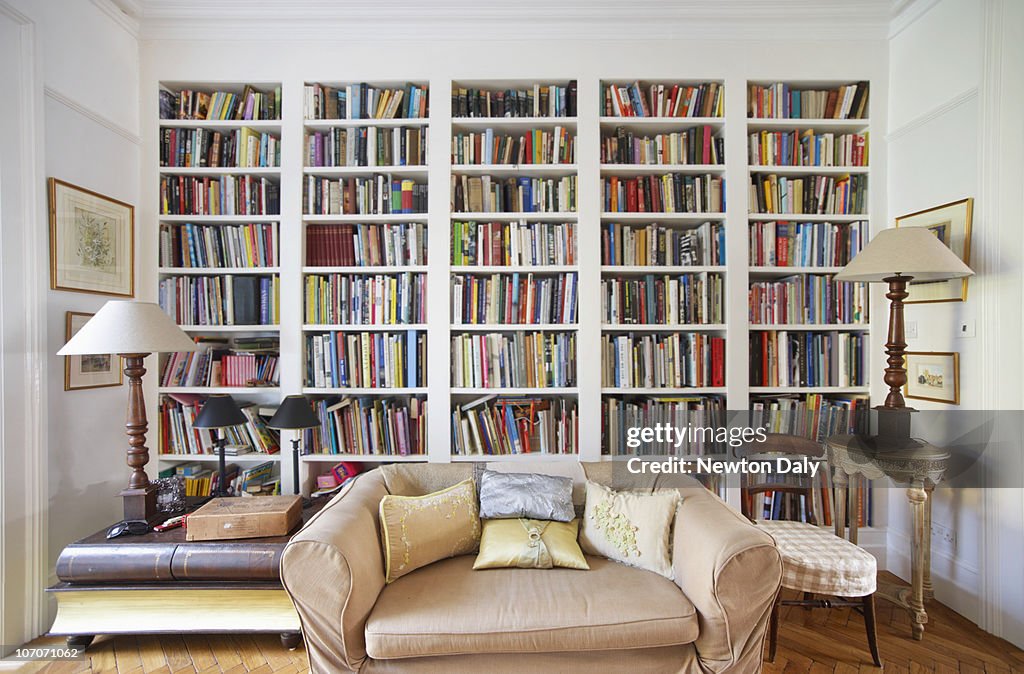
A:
[829,571]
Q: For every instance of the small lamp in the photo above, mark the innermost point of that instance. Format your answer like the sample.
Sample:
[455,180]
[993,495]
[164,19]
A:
[133,330]
[895,256]
[295,413]
[220,412]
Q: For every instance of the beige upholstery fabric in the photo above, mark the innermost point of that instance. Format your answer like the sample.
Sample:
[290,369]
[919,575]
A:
[666,660]
[419,479]
[447,608]
[815,560]
[338,549]
[419,530]
[731,572]
[629,528]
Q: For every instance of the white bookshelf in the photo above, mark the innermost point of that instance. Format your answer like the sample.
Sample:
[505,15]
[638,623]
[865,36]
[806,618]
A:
[589,125]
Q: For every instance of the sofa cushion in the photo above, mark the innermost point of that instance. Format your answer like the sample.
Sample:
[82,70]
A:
[446,608]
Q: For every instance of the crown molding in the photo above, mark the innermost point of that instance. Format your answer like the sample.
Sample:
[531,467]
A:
[906,12]
[125,13]
[322,20]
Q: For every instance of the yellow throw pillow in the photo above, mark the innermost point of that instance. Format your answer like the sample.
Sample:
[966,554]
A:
[628,527]
[420,530]
[529,544]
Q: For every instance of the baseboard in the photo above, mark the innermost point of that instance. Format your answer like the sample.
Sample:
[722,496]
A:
[957,585]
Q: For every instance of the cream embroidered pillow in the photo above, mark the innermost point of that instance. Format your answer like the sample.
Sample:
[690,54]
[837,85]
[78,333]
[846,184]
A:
[420,530]
[628,527]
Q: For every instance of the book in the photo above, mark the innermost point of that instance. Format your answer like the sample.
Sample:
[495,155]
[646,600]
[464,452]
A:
[696,145]
[673,360]
[376,195]
[519,360]
[538,100]
[518,243]
[249,104]
[656,245]
[206,148]
[365,101]
[663,299]
[807,299]
[369,426]
[223,195]
[815,194]
[513,299]
[367,146]
[221,300]
[365,360]
[703,411]
[531,146]
[807,148]
[503,425]
[667,193]
[641,99]
[354,299]
[195,246]
[804,358]
[492,194]
[783,243]
[781,100]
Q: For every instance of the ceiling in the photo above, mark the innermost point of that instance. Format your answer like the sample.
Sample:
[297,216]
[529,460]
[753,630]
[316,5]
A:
[512,19]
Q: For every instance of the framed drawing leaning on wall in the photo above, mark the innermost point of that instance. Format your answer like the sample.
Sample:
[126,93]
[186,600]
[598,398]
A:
[951,224]
[92,242]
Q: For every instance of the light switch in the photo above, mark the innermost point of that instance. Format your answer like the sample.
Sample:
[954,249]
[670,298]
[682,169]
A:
[966,329]
[910,330]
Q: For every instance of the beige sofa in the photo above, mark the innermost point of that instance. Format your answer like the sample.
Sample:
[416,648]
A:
[446,617]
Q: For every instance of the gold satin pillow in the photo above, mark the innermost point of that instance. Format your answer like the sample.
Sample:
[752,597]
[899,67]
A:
[420,530]
[529,544]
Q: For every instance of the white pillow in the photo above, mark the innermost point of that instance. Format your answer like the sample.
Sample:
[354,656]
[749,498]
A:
[630,528]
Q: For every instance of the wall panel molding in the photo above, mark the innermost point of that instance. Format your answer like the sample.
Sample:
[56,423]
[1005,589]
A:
[97,117]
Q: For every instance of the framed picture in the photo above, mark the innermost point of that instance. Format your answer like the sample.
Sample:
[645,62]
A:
[933,375]
[92,242]
[951,224]
[81,372]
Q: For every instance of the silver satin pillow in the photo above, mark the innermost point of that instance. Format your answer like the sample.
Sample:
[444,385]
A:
[535,497]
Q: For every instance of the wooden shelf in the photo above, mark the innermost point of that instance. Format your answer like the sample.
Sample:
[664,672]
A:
[808,389]
[513,458]
[266,125]
[508,217]
[661,124]
[789,271]
[230,328]
[273,171]
[512,122]
[324,124]
[514,327]
[663,391]
[549,391]
[795,327]
[660,270]
[652,327]
[514,269]
[608,216]
[250,457]
[218,219]
[364,170]
[835,125]
[805,217]
[230,390]
[217,271]
[659,169]
[338,219]
[809,170]
[312,390]
[412,269]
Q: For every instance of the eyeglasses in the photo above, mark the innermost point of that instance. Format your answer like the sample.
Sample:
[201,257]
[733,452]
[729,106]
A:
[131,527]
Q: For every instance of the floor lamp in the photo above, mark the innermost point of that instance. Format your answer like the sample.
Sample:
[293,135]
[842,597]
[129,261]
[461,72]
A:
[895,257]
[132,330]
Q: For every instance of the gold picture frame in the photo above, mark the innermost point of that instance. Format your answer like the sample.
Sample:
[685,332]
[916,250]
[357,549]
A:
[92,241]
[951,224]
[85,372]
[933,375]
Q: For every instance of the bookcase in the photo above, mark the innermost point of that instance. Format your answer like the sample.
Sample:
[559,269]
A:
[559,220]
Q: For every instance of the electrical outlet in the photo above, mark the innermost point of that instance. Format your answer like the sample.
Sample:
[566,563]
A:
[965,329]
[943,538]
[910,329]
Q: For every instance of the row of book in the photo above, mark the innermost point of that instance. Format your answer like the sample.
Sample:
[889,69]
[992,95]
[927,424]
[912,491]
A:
[506,425]
[784,358]
[220,367]
[366,359]
[392,244]
[535,146]
[491,194]
[540,100]
[518,360]
[224,195]
[663,299]
[808,148]
[812,415]
[780,243]
[669,193]
[696,145]
[255,480]
[221,300]
[620,415]
[241,148]
[365,101]
[675,360]
[782,101]
[194,246]
[512,299]
[251,104]
[807,299]
[663,100]
[178,434]
[367,146]
[782,503]
[369,427]
[376,195]
[657,245]
[522,243]
[811,195]
[362,299]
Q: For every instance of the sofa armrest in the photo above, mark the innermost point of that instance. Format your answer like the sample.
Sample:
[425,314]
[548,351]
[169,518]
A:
[333,570]
[732,572]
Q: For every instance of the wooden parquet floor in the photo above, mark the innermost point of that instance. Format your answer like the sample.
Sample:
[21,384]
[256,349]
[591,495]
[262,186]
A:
[809,641]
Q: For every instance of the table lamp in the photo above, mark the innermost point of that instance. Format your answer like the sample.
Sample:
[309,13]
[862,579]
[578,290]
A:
[896,256]
[220,412]
[295,413]
[132,330]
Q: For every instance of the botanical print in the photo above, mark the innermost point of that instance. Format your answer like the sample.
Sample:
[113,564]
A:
[95,237]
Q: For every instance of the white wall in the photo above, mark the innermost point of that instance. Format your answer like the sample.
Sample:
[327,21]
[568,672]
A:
[941,144]
[89,119]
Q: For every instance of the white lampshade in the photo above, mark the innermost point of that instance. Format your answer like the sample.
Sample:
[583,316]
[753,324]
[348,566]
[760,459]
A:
[908,251]
[124,326]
